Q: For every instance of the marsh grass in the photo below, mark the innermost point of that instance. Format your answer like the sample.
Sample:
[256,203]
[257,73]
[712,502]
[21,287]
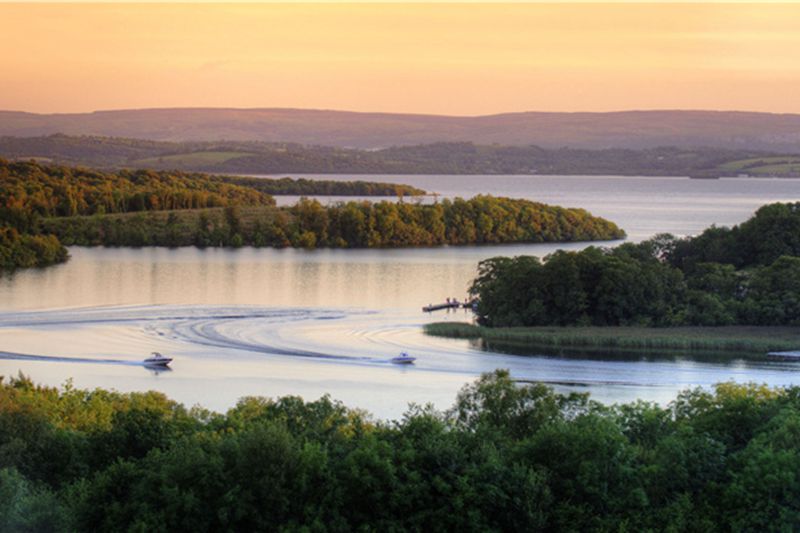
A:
[748,341]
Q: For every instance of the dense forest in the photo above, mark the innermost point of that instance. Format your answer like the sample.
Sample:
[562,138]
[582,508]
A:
[30,192]
[171,208]
[309,224]
[248,157]
[47,191]
[506,457]
[748,274]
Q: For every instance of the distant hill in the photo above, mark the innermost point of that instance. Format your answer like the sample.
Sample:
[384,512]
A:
[628,129]
[253,157]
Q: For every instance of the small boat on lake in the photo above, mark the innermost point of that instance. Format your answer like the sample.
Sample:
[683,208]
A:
[156,359]
[403,359]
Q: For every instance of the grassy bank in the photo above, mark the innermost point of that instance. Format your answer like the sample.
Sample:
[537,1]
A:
[753,341]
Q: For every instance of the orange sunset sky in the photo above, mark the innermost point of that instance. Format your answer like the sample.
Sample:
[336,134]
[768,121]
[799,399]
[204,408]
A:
[461,59]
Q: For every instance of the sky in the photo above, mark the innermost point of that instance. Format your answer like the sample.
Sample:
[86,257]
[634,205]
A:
[443,58]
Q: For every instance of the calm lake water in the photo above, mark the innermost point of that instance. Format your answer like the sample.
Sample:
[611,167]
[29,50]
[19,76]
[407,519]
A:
[643,206]
[276,322]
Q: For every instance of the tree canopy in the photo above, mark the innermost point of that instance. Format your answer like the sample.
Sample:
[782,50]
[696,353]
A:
[748,274]
[354,224]
[506,457]
[29,188]
[142,207]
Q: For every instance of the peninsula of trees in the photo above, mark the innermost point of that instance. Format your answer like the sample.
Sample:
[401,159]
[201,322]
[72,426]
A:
[138,208]
[745,275]
[251,157]
[309,224]
[506,457]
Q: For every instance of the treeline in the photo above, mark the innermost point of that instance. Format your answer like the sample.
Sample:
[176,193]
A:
[139,208]
[30,189]
[749,274]
[31,192]
[307,187]
[48,191]
[774,231]
[36,200]
[506,457]
[309,224]
[437,158]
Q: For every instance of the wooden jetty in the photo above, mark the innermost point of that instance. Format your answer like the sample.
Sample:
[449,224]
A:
[784,356]
[455,304]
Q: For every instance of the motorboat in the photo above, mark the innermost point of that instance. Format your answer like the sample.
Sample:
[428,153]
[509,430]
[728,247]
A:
[156,359]
[403,359]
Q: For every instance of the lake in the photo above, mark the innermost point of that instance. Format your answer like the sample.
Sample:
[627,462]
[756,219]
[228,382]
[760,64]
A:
[277,322]
[643,206]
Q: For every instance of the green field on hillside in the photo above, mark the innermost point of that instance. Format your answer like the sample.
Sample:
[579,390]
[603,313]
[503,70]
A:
[763,165]
[781,169]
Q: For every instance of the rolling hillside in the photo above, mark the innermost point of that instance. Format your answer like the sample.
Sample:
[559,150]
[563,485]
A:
[252,157]
[628,129]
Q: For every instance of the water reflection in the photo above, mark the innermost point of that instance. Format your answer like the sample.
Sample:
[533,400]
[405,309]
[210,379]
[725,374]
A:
[156,370]
[376,279]
[605,353]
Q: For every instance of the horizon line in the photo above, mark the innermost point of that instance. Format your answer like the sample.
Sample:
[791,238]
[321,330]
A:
[406,113]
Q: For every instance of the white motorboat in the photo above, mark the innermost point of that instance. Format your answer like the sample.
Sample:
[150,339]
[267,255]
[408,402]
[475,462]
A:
[156,359]
[403,359]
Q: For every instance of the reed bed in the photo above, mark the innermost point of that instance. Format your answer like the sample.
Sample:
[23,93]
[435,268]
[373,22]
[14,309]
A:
[750,340]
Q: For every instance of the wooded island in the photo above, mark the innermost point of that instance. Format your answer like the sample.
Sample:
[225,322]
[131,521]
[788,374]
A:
[149,208]
[613,298]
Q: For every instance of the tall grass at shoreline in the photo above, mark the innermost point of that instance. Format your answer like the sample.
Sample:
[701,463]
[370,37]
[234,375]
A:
[753,341]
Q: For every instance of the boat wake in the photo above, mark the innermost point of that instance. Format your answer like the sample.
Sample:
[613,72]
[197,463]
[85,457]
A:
[56,359]
[257,330]
[300,347]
